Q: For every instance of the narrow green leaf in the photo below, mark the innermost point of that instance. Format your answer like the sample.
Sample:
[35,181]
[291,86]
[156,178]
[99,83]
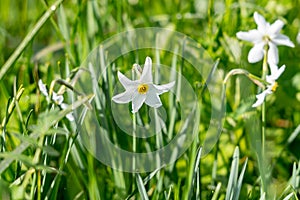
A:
[240,181]
[62,23]
[233,174]
[196,169]
[217,191]
[28,38]
[289,196]
[294,134]
[42,127]
[141,187]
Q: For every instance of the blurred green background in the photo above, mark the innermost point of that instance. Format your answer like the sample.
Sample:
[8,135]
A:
[76,28]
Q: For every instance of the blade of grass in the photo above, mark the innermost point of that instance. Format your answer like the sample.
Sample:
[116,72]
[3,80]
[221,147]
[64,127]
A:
[217,191]
[196,169]
[289,196]
[145,181]
[233,174]
[28,38]
[54,117]
[240,181]
[141,187]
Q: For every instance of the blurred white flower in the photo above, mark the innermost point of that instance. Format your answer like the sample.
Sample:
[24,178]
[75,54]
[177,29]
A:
[142,90]
[265,34]
[43,88]
[58,99]
[272,84]
[69,116]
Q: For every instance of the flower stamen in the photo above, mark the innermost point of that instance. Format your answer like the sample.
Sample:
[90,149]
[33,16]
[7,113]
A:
[267,38]
[274,87]
[143,88]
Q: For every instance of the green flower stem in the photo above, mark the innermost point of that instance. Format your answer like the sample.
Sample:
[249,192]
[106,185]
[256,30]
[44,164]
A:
[263,120]
[133,143]
[257,80]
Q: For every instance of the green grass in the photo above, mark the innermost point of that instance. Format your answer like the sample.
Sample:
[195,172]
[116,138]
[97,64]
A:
[43,155]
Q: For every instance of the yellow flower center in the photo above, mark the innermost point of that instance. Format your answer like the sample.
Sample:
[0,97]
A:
[274,87]
[143,88]
[266,38]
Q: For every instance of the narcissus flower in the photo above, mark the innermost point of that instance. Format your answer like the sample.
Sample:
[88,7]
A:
[272,84]
[265,34]
[58,99]
[142,90]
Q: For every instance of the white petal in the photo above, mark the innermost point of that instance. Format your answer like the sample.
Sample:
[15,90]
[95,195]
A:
[153,100]
[138,101]
[57,98]
[124,97]
[160,89]
[138,69]
[262,25]
[273,54]
[275,73]
[253,36]
[280,71]
[276,27]
[70,116]
[42,88]
[126,82]
[63,106]
[260,99]
[147,71]
[283,40]
[256,53]
[273,68]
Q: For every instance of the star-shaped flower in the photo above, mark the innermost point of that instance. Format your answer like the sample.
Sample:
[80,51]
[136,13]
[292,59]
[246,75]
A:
[272,84]
[142,90]
[55,97]
[265,34]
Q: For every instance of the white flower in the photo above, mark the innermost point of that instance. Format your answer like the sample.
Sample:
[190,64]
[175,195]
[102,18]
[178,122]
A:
[272,84]
[141,90]
[58,99]
[265,34]
[43,88]
[69,116]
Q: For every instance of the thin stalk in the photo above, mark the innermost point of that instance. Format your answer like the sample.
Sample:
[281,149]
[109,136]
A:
[133,143]
[263,120]
[133,139]
[263,110]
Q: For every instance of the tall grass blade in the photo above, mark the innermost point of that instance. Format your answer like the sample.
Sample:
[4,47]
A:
[196,170]
[240,181]
[28,38]
[233,175]
[141,187]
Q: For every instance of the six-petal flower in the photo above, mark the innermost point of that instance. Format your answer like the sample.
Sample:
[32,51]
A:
[142,90]
[265,34]
[272,84]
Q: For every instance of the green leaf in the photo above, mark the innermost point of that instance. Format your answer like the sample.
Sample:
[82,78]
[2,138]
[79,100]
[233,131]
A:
[233,174]
[141,187]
